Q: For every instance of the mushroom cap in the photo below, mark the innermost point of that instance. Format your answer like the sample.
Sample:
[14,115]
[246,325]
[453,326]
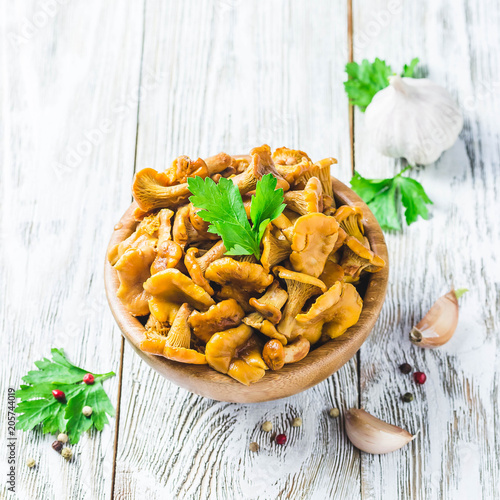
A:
[153,343]
[169,252]
[245,373]
[234,292]
[291,163]
[275,248]
[150,190]
[307,201]
[218,163]
[171,286]
[274,354]
[219,317]
[293,276]
[133,269]
[270,304]
[357,257]
[221,348]
[251,352]
[350,218]
[195,271]
[332,273]
[183,231]
[182,168]
[314,236]
[244,275]
[257,321]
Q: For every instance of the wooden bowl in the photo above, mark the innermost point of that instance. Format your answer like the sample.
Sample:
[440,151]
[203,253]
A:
[319,364]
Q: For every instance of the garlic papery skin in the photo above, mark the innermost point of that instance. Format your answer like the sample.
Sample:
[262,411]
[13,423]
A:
[413,118]
[439,324]
[370,434]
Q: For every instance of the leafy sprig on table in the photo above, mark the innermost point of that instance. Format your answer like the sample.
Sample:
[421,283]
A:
[222,206]
[383,195]
[39,407]
[366,79]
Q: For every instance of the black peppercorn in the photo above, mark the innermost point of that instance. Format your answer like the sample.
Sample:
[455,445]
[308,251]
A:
[57,445]
[405,368]
[408,397]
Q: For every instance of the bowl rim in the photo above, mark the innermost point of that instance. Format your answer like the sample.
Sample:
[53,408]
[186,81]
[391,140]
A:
[318,365]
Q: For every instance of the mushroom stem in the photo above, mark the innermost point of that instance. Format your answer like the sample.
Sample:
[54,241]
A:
[179,334]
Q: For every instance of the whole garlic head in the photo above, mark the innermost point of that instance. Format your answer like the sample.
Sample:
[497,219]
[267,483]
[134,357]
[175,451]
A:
[413,119]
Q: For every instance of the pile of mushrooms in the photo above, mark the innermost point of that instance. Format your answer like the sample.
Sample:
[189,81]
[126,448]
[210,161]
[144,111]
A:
[239,315]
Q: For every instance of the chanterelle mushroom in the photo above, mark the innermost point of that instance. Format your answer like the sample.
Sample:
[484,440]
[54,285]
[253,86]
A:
[234,292]
[261,164]
[133,269]
[276,355]
[169,252]
[275,248]
[291,163]
[248,366]
[357,257]
[218,163]
[314,236]
[321,170]
[307,201]
[244,275]
[350,220]
[150,191]
[300,288]
[172,287]
[221,316]
[182,168]
[333,312]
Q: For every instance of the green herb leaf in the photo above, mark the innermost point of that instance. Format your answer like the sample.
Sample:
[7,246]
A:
[223,207]
[366,79]
[383,195]
[460,291]
[39,407]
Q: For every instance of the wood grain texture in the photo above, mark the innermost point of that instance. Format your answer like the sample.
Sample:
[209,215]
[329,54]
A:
[456,452]
[239,74]
[318,365]
[69,109]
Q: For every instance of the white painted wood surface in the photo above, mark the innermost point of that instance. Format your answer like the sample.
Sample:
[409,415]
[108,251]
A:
[148,81]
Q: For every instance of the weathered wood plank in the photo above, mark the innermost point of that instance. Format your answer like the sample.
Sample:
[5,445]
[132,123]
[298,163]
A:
[234,75]
[456,453]
[70,74]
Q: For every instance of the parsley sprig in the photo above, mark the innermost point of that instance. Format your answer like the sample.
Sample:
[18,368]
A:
[222,206]
[383,195]
[366,79]
[39,407]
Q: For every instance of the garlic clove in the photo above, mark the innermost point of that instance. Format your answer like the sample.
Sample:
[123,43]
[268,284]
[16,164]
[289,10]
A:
[373,435]
[439,324]
[413,118]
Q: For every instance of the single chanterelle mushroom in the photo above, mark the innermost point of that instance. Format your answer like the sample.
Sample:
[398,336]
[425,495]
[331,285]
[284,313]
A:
[350,220]
[178,342]
[307,201]
[300,288]
[321,170]
[244,275]
[169,252]
[248,366]
[234,292]
[276,355]
[221,316]
[182,168]
[333,313]
[356,257]
[261,164]
[314,236]
[145,235]
[275,248]
[151,190]
[268,312]
[291,163]
[332,273]
[199,224]
[218,163]
[172,287]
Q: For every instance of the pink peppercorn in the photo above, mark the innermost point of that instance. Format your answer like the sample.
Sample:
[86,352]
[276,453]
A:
[419,377]
[280,439]
[88,379]
[59,395]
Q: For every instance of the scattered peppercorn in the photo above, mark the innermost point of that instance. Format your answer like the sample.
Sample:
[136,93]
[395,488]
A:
[408,397]
[280,439]
[57,445]
[405,368]
[419,377]
[267,426]
[30,462]
[254,446]
[88,379]
[59,395]
[334,412]
[87,411]
[297,422]
[62,437]
[67,453]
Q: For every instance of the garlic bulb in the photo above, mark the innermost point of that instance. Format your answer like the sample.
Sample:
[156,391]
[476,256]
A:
[373,435]
[440,322]
[413,118]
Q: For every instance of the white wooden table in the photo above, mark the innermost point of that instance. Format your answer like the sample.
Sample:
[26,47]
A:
[92,91]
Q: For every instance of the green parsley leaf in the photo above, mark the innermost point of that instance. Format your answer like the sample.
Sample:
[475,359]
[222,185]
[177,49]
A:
[382,197]
[221,205]
[39,407]
[366,79]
